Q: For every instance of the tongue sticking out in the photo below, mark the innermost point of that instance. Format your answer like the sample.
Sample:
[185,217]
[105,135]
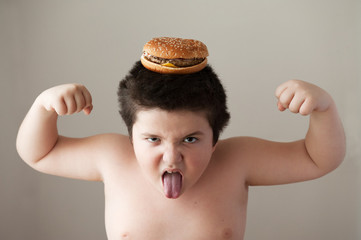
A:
[172,184]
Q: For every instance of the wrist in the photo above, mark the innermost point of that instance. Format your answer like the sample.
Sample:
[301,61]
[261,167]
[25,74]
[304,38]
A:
[40,107]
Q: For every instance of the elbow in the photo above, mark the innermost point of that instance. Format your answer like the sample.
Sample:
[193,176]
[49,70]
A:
[339,152]
[20,150]
[327,159]
[26,155]
[339,155]
[339,158]
[332,162]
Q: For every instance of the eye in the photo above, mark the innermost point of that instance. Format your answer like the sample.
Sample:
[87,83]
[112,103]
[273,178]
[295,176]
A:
[153,139]
[190,139]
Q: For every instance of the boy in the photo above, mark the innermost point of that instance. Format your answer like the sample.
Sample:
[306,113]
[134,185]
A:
[172,178]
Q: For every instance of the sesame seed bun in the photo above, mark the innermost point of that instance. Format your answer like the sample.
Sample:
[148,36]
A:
[174,55]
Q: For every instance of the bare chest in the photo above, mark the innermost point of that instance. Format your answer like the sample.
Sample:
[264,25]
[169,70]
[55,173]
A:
[136,211]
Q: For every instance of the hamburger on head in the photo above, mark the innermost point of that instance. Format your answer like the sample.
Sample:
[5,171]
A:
[174,55]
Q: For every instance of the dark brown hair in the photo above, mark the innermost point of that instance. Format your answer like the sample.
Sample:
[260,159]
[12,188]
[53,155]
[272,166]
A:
[201,91]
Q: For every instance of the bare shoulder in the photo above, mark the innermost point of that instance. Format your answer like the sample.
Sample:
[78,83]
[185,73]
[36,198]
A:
[112,153]
[235,152]
[230,161]
[236,147]
[116,158]
[112,141]
[113,147]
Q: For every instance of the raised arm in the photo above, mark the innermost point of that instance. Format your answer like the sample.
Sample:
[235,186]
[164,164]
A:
[39,144]
[321,151]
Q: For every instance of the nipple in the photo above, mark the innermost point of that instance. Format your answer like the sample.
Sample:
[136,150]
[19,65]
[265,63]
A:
[125,235]
[227,233]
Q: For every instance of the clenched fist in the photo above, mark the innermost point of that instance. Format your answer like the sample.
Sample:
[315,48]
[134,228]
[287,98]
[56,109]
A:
[66,99]
[302,97]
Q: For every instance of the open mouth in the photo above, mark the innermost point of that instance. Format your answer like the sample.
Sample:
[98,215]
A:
[172,183]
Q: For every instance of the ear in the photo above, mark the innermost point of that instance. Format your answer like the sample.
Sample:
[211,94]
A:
[214,146]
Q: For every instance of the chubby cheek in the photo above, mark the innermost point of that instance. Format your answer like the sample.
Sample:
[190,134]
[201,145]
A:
[148,160]
[196,165]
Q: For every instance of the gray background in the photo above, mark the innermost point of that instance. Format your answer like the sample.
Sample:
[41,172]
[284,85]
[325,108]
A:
[254,46]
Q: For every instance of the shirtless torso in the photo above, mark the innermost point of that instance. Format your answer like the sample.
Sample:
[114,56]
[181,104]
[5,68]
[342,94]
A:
[215,208]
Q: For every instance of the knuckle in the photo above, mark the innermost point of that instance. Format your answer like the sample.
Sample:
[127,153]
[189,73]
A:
[284,99]
[70,110]
[293,109]
[304,112]
[306,109]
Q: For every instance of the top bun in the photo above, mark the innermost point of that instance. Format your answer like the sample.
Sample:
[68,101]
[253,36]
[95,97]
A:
[171,48]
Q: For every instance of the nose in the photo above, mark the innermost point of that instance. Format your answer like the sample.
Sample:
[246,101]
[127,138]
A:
[171,155]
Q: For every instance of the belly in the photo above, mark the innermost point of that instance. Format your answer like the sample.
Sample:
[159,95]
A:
[154,228]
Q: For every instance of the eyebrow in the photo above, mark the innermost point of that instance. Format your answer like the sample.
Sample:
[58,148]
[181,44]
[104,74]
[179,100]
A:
[195,133]
[146,134]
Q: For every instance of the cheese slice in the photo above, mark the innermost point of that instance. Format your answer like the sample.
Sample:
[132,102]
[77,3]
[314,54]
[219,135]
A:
[169,65]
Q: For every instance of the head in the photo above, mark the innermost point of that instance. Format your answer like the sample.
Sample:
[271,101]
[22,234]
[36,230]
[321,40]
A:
[200,92]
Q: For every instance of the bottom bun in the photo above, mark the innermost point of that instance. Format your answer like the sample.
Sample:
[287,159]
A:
[170,70]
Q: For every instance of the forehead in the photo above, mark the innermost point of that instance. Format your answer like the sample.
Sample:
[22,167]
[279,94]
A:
[178,121]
